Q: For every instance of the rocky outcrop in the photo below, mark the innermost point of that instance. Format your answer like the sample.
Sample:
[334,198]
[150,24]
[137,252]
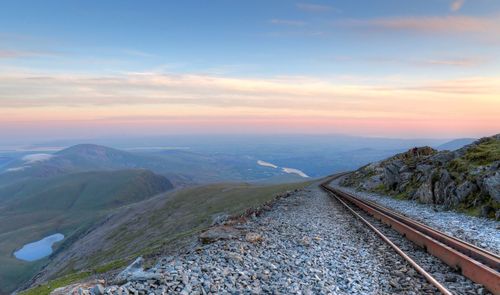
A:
[219,233]
[466,179]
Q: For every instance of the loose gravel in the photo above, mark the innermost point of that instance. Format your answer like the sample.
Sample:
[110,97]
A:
[482,232]
[305,244]
[447,276]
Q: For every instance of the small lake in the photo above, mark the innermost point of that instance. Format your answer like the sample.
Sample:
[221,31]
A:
[39,249]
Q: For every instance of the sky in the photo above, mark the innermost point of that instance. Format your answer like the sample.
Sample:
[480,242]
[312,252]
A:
[427,68]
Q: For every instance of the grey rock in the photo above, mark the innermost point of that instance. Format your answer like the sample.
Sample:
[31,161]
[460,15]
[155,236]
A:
[425,193]
[391,174]
[492,186]
[98,290]
[464,190]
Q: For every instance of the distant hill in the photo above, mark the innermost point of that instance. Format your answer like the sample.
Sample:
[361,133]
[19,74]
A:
[455,144]
[78,158]
[82,191]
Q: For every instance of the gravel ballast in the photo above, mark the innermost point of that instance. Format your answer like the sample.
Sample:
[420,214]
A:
[306,243]
[482,232]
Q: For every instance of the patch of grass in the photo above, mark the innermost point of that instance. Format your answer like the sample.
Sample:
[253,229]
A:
[110,266]
[381,188]
[401,196]
[485,152]
[48,287]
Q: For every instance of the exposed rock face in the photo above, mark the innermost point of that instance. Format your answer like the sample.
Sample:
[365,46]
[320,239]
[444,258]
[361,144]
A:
[466,179]
[492,185]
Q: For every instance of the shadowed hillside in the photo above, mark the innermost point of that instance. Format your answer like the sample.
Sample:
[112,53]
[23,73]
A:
[70,204]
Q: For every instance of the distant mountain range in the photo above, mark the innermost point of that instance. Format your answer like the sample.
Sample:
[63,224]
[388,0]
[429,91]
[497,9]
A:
[455,144]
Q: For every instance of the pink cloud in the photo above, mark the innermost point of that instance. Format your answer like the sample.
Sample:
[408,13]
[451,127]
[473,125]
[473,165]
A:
[456,5]
[428,24]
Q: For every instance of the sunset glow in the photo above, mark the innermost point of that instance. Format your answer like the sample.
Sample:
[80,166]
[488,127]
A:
[52,85]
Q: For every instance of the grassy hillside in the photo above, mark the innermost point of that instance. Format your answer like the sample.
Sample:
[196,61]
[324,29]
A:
[157,225]
[82,191]
[69,204]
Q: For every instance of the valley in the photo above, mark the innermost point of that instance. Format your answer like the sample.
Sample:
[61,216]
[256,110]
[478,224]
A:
[113,205]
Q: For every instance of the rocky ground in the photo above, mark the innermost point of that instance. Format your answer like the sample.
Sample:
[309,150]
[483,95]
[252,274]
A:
[304,244]
[467,179]
[482,232]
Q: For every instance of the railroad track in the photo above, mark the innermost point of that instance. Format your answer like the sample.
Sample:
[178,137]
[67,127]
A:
[474,263]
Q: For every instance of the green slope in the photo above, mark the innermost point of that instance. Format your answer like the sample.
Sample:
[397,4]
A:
[69,204]
[158,225]
[83,191]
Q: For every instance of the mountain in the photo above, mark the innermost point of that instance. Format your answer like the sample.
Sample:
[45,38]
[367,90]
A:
[467,179]
[455,144]
[83,191]
[33,208]
[78,158]
[181,167]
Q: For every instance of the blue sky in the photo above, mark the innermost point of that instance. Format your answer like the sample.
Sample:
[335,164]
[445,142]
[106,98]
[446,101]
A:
[237,37]
[386,43]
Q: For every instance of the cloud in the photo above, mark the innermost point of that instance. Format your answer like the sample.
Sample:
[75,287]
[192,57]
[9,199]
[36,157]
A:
[458,62]
[287,22]
[138,53]
[287,94]
[156,102]
[428,24]
[465,62]
[5,53]
[456,5]
[310,7]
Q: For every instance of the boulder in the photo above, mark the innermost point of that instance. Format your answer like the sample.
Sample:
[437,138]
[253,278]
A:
[443,187]
[98,290]
[424,193]
[464,190]
[135,272]
[253,237]
[219,233]
[442,158]
[391,174]
[372,182]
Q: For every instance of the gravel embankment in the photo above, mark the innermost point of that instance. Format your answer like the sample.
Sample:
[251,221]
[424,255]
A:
[448,277]
[482,232]
[305,244]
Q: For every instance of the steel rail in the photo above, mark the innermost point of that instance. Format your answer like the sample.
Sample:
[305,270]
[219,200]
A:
[490,259]
[415,265]
[473,262]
